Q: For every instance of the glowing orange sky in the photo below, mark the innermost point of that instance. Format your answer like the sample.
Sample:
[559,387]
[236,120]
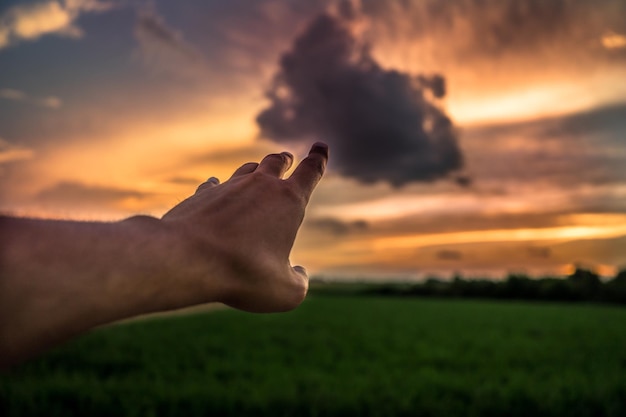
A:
[163,114]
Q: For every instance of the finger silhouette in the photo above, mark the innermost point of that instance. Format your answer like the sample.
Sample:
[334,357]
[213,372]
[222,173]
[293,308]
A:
[311,169]
[276,164]
[246,168]
[210,183]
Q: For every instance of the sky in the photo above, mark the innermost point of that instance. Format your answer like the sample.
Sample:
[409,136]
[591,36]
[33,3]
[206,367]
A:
[467,136]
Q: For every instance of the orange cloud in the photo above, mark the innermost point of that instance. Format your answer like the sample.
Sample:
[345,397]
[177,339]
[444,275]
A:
[11,153]
[612,40]
[30,22]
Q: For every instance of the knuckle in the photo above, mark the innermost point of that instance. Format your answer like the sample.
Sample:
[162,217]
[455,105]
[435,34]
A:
[261,177]
[248,165]
[201,187]
[293,193]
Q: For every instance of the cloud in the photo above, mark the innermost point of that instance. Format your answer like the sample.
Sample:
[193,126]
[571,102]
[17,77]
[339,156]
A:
[337,227]
[235,156]
[449,255]
[184,180]
[381,124]
[592,251]
[11,153]
[612,40]
[495,28]
[12,94]
[31,21]
[50,102]
[68,192]
[165,49]
[573,151]
[506,59]
[539,252]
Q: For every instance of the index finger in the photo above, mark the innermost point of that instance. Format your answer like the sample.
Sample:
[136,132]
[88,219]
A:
[311,169]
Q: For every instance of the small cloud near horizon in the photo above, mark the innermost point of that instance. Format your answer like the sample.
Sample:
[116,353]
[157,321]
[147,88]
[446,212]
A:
[69,192]
[449,255]
[11,153]
[338,227]
[49,102]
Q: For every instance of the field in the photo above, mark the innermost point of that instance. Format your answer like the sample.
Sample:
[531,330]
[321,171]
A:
[340,356]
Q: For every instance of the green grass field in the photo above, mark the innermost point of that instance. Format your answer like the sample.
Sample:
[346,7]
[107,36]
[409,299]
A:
[340,356]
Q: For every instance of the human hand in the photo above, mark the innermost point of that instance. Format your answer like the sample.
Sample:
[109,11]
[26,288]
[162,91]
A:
[228,242]
[241,232]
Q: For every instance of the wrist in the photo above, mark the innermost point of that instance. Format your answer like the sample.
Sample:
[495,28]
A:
[182,268]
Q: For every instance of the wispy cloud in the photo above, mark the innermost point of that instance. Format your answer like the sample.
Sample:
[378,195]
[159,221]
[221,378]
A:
[338,227]
[10,152]
[31,21]
[50,102]
[165,49]
[569,152]
[449,255]
[612,40]
[69,192]
[496,28]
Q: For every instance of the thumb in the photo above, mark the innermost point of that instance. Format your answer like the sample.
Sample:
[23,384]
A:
[301,277]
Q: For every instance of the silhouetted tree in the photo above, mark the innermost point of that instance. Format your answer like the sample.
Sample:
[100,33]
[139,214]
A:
[556,289]
[614,291]
[620,278]
[582,285]
[586,284]
[520,287]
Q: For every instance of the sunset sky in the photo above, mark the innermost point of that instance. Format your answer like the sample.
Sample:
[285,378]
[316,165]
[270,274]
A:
[478,136]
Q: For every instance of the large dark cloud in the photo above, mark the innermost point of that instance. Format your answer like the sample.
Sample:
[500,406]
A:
[381,124]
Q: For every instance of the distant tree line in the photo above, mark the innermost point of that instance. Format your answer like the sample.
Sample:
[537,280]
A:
[582,285]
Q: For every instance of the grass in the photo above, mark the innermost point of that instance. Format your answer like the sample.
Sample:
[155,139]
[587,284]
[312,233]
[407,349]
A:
[340,356]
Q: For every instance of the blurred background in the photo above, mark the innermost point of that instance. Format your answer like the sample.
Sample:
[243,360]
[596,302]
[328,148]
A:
[469,138]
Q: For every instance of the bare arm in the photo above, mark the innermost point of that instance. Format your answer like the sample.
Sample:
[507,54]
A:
[228,242]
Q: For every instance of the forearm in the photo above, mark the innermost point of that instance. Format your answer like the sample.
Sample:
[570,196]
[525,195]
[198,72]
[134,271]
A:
[227,242]
[60,278]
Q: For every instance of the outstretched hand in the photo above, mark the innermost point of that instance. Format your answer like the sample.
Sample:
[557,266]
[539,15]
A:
[248,224]
[228,242]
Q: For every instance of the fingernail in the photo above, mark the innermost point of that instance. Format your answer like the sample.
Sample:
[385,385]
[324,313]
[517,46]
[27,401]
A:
[213,180]
[320,147]
[288,155]
[300,269]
